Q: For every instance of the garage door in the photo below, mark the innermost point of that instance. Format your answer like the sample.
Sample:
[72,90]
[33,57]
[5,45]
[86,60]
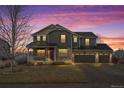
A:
[84,58]
[103,58]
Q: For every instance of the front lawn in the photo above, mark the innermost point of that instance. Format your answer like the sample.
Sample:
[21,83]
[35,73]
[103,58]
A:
[42,74]
[78,75]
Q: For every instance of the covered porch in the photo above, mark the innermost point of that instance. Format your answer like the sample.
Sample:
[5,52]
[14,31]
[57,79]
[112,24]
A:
[42,54]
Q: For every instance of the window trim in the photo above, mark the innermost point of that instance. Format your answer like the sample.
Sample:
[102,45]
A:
[44,38]
[38,37]
[87,41]
[75,39]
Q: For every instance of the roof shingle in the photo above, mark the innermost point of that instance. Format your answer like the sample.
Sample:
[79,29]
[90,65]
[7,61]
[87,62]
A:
[99,46]
[86,34]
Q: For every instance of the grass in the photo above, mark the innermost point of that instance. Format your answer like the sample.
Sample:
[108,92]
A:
[84,75]
[42,74]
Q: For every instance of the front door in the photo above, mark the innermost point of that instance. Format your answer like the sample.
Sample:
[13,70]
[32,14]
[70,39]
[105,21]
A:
[51,54]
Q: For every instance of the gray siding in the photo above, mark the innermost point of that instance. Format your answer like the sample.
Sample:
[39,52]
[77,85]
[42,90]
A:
[34,38]
[75,44]
[92,41]
[82,42]
[54,37]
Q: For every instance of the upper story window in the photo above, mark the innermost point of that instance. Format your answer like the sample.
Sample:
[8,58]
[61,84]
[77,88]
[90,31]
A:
[75,39]
[38,38]
[87,41]
[63,38]
[44,37]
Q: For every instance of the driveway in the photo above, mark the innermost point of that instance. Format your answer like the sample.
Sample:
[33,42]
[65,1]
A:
[103,75]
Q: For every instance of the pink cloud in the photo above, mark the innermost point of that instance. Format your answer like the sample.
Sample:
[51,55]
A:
[114,42]
[79,20]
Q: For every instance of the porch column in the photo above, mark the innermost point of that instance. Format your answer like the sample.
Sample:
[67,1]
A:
[54,54]
[73,57]
[97,57]
[69,53]
[110,58]
[46,54]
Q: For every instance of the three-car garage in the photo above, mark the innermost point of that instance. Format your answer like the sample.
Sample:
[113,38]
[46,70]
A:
[91,57]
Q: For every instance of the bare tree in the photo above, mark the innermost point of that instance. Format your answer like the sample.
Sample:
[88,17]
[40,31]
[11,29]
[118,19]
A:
[14,28]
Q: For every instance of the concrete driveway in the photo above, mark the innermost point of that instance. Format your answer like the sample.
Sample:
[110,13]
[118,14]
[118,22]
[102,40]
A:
[103,75]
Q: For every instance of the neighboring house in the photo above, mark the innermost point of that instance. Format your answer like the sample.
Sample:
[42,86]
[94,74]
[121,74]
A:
[56,43]
[4,49]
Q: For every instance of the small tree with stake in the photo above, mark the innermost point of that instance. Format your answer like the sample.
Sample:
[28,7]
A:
[14,28]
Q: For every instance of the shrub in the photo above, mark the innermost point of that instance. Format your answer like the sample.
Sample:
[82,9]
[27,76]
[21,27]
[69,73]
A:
[58,63]
[69,62]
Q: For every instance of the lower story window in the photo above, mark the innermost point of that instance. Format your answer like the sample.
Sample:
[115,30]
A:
[41,52]
[63,52]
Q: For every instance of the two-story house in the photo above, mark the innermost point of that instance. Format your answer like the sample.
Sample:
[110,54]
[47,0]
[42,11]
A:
[56,43]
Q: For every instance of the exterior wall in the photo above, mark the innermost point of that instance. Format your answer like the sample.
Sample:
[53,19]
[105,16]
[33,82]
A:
[82,42]
[92,41]
[54,37]
[75,44]
[34,38]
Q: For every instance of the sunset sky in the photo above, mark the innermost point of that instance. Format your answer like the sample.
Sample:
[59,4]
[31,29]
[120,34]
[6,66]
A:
[105,21]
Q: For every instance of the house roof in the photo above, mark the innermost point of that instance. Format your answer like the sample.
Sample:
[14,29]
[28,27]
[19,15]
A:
[47,29]
[86,34]
[51,28]
[101,46]
[39,45]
